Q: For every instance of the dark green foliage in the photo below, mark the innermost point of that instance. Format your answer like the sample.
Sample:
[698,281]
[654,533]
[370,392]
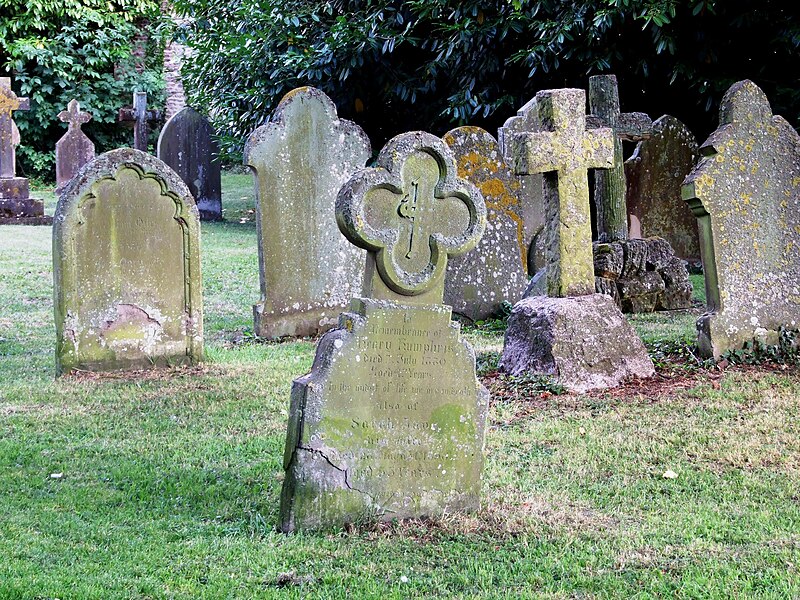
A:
[56,50]
[431,64]
[785,352]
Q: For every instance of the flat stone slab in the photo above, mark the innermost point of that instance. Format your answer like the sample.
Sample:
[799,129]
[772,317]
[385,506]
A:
[583,342]
[43,220]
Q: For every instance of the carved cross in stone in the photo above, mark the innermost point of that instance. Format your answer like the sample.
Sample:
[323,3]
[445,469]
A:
[609,186]
[74,115]
[564,149]
[141,119]
[410,214]
[9,102]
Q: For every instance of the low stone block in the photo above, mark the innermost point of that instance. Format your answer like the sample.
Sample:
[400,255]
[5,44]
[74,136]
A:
[14,188]
[603,285]
[583,342]
[608,260]
[15,208]
[635,252]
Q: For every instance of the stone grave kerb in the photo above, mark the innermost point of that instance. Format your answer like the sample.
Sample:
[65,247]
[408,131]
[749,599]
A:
[564,150]
[410,213]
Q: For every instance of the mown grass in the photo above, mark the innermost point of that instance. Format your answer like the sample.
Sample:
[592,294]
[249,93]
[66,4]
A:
[170,482]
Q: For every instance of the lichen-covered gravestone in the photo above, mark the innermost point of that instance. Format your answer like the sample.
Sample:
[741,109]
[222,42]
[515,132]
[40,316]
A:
[390,421]
[126,262]
[745,193]
[654,174]
[187,145]
[308,269]
[479,281]
[74,149]
[578,337]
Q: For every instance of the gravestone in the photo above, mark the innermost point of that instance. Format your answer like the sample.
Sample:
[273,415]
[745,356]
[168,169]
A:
[654,174]
[609,185]
[578,337]
[187,145]
[308,270]
[74,149]
[140,119]
[478,282]
[530,189]
[390,422]
[745,193]
[16,205]
[126,260]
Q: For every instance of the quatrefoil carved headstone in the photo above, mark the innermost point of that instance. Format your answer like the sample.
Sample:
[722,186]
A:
[410,213]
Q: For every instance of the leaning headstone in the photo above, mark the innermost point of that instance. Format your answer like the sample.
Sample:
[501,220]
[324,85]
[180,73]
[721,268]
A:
[579,338]
[609,185]
[74,149]
[308,269]
[390,422]
[126,261]
[654,174]
[16,205]
[745,193]
[140,118]
[187,144]
[480,281]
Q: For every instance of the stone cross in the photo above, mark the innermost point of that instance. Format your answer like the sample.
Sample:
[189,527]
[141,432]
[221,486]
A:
[609,186]
[141,119]
[9,102]
[564,149]
[74,115]
[410,216]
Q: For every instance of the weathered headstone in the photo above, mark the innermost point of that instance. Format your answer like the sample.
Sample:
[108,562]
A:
[745,193]
[479,281]
[16,205]
[187,144]
[308,269]
[126,257]
[654,174]
[74,149]
[140,119]
[390,422]
[609,185]
[578,337]
[531,189]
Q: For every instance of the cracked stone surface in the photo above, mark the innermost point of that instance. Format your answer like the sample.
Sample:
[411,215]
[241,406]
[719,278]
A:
[745,193]
[308,270]
[126,260]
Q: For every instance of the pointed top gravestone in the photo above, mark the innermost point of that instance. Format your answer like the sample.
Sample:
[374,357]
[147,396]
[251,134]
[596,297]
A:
[561,147]
[126,260]
[308,270]
[140,118]
[609,185]
[390,422]
[74,149]
[187,144]
[745,193]
[479,281]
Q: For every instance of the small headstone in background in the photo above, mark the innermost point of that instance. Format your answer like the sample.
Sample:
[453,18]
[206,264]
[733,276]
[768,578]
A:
[140,119]
[126,267]
[187,145]
[308,270]
[479,281]
[578,337]
[74,149]
[390,422]
[16,205]
[745,193]
[654,174]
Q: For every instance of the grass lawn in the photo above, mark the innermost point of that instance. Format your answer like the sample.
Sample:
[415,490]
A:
[167,485]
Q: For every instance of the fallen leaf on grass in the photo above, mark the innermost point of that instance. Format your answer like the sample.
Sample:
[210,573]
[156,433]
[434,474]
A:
[670,474]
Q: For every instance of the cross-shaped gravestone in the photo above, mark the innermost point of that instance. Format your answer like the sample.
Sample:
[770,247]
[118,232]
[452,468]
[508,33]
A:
[410,216]
[74,149]
[564,149]
[609,186]
[141,119]
[9,102]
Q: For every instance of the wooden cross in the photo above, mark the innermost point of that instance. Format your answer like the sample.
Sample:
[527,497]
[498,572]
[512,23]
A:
[609,186]
[141,119]
[564,149]
[9,102]
[74,115]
